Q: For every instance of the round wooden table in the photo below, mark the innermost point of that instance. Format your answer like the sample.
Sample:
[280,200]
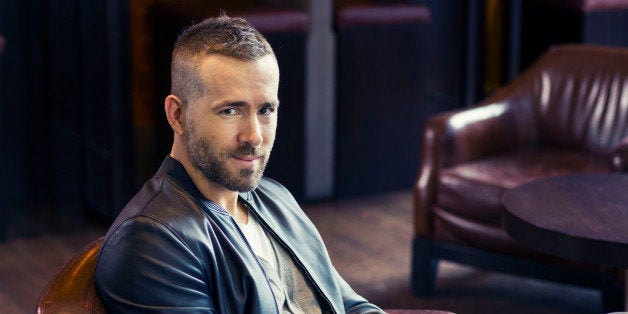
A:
[582,217]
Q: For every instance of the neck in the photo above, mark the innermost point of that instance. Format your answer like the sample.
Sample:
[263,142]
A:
[227,199]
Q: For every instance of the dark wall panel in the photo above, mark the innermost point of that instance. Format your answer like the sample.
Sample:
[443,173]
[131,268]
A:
[56,111]
[380,113]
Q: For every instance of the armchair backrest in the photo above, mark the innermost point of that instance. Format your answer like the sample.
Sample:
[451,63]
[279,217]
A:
[580,97]
[72,289]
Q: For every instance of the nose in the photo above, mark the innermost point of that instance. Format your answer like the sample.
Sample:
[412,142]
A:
[251,132]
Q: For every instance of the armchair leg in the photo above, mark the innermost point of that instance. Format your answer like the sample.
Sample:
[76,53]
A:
[424,267]
[612,296]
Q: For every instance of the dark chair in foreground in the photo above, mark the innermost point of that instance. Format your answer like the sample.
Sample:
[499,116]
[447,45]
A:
[72,289]
[568,113]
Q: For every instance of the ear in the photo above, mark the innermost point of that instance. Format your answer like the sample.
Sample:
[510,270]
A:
[173,106]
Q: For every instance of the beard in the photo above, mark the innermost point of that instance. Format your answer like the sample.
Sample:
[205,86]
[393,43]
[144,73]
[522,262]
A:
[212,162]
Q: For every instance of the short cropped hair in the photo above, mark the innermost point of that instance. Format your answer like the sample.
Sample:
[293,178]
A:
[223,35]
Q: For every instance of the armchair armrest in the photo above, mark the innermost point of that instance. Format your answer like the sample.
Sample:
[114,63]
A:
[463,135]
[619,158]
[482,131]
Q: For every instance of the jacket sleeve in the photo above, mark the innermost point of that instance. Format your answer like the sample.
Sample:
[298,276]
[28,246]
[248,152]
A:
[353,302]
[143,267]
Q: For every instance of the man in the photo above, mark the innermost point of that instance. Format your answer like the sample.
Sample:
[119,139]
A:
[207,233]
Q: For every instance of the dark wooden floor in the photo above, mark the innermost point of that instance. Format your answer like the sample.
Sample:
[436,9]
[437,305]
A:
[369,242]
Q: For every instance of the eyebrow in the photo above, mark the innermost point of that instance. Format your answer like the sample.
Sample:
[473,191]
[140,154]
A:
[229,103]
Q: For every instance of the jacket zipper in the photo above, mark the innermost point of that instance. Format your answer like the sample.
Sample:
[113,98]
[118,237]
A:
[259,264]
[293,256]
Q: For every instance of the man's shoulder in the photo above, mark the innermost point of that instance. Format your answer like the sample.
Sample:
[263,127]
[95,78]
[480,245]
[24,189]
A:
[158,195]
[162,201]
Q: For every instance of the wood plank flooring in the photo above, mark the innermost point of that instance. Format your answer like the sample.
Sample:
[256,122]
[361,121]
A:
[369,241]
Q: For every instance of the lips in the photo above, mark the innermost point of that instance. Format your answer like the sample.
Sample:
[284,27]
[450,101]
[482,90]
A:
[247,157]
[246,161]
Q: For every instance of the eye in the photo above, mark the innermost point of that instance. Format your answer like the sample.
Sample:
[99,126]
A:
[229,112]
[267,110]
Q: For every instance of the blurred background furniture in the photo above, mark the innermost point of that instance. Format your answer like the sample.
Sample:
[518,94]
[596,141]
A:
[580,217]
[72,289]
[568,113]
[577,216]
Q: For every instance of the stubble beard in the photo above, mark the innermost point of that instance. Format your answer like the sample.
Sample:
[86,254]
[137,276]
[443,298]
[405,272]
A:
[212,162]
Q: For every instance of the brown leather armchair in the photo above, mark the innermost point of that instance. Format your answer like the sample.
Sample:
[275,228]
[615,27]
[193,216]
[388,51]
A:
[567,113]
[72,289]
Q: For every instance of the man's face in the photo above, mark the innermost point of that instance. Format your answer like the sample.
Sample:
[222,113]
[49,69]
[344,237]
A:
[230,130]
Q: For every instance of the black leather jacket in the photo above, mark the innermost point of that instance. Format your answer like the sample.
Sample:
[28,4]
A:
[172,250]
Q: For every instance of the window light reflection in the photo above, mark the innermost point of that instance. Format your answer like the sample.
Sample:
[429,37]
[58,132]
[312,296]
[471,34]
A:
[461,119]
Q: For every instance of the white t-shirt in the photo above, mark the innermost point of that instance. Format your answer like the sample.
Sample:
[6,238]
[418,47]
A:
[293,292]
[259,241]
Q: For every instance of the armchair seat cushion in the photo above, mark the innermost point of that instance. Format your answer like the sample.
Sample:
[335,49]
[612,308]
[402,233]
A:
[452,228]
[473,189]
